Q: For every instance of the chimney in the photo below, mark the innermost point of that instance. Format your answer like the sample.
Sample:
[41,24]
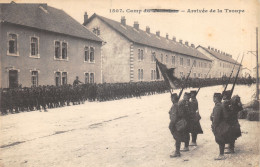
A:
[123,21]
[186,43]
[158,33]
[148,29]
[85,18]
[167,36]
[174,38]
[136,25]
[208,47]
[192,45]
[180,40]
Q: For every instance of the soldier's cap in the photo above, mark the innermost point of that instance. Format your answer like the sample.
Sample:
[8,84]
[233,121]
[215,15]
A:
[218,95]
[227,93]
[187,94]
[174,95]
[194,92]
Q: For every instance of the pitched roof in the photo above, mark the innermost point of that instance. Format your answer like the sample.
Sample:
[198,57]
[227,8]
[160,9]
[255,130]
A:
[44,17]
[220,56]
[149,39]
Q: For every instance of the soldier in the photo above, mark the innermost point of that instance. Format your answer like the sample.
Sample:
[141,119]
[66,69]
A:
[218,124]
[195,127]
[184,111]
[76,81]
[174,118]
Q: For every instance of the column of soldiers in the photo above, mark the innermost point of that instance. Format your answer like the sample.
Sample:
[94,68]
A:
[44,97]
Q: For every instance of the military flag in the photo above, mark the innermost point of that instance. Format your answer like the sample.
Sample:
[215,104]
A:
[168,74]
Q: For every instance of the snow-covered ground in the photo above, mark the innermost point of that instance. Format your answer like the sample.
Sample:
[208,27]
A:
[130,132]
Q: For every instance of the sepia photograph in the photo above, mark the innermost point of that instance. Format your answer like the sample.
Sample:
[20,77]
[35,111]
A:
[141,83]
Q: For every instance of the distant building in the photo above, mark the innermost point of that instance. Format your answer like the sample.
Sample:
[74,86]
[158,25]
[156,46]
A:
[222,62]
[42,45]
[246,72]
[128,55]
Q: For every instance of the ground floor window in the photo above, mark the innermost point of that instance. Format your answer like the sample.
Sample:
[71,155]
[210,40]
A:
[34,78]
[89,77]
[64,78]
[140,74]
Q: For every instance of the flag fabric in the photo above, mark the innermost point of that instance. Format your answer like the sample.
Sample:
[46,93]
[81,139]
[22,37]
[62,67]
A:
[168,74]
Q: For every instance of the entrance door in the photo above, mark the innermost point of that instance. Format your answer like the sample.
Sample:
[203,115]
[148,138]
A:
[13,78]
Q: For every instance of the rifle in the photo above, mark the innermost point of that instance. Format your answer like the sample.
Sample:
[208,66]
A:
[186,81]
[229,77]
[205,77]
[236,77]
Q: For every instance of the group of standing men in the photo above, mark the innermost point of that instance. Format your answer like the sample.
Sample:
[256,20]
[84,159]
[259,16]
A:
[185,120]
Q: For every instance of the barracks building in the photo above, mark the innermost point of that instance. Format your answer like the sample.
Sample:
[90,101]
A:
[128,54]
[42,45]
[222,62]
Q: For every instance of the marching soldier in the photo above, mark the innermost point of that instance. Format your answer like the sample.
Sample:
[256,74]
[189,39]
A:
[195,127]
[184,111]
[218,124]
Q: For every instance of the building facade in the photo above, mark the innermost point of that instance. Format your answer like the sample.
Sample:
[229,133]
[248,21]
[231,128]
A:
[128,55]
[222,62]
[45,46]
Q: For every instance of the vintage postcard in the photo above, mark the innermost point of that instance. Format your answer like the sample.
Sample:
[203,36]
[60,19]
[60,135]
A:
[142,83]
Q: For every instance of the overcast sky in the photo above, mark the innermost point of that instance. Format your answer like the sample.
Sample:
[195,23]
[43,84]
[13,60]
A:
[232,33]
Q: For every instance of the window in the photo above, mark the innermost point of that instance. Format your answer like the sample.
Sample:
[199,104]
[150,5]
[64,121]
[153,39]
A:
[34,78]
[140,74]
[92,56]
[91,78]
[140,54]
[12,43]
[57,49]
[64,50]
[96,31]
[57,78]
[181,61]
[166,58]
[86,53]
[86,78]
[198,74]
[153,75]
[194,74]
[195,64]
[162,58]
[64,78]
[153,57]
[34,46]
[173,60]
[188,62]
[220,64]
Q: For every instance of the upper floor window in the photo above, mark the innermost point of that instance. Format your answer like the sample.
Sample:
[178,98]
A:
[34,78]
[96,31]
[57,49]
[92,55]
[173,60]
[153,57]
[195,63]
[61,50]
[166,58]
[34,46]
[140,54]
[181,61]
[188,62]
[86,53]
[64,50]
[12,44]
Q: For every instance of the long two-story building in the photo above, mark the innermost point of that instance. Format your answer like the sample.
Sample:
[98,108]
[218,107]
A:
[42,45]
[128,55]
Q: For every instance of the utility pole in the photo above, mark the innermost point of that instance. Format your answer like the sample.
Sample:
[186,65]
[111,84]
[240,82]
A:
[257,65]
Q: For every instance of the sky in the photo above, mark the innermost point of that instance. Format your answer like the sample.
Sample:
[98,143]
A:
[229,31]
